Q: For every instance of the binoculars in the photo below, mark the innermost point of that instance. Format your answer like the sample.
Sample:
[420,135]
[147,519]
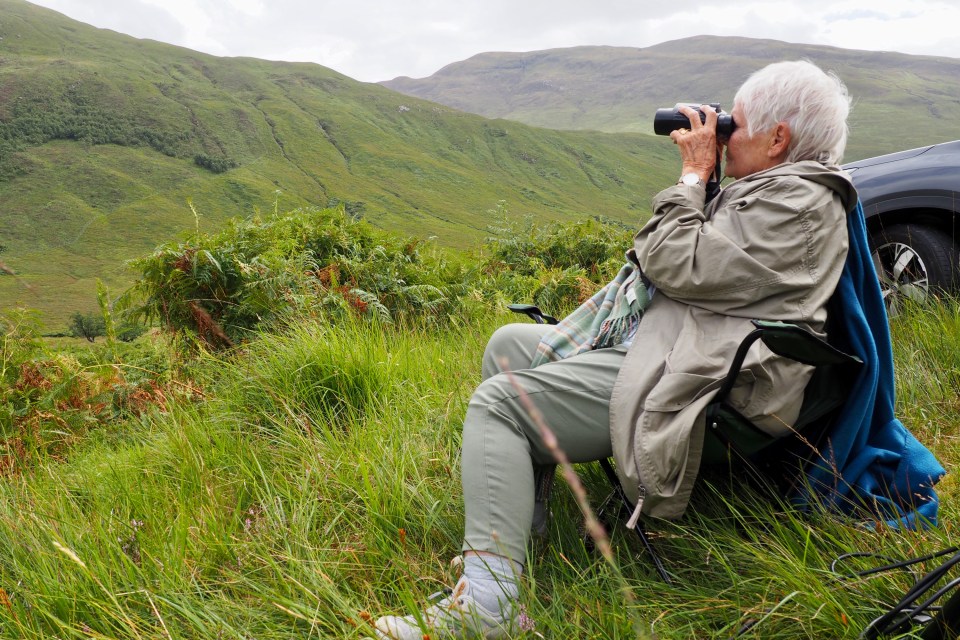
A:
[670,119]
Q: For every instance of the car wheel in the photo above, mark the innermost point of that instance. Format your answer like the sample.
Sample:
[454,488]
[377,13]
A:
[913,262]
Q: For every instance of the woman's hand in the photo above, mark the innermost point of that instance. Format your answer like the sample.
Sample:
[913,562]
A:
[698,144]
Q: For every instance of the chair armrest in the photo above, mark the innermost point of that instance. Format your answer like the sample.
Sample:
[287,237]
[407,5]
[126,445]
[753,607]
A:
[534,313]
[795,342]
[789,341]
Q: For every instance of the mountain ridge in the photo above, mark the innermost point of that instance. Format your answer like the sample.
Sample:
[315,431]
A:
[617,89]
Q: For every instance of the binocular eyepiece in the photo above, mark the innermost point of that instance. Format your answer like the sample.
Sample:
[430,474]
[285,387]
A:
[671,119]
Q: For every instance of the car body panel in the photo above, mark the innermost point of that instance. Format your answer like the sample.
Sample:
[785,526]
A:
[926,178]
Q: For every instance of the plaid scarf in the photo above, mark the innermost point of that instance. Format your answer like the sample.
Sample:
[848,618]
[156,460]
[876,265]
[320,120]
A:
[608,318]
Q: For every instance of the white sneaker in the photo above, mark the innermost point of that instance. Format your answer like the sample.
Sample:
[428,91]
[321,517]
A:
[455,616]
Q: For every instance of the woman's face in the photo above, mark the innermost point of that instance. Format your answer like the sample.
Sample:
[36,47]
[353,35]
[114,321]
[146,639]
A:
[747,155]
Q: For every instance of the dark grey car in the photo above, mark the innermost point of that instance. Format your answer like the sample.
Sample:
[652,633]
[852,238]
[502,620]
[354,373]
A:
[911,200]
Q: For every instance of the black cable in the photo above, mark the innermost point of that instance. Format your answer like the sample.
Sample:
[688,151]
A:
[903,564]
[893,564]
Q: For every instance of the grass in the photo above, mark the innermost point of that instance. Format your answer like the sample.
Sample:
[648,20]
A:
[318,484]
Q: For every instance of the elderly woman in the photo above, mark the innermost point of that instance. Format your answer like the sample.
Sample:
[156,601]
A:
[771,244]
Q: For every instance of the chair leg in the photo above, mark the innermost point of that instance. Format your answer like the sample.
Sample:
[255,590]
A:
[639,529]
[543,476]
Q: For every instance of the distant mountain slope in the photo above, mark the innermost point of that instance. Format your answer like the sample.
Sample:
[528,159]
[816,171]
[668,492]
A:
[901,101]
[105,138]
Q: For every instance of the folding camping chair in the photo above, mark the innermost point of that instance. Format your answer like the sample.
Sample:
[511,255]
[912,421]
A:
[729,434]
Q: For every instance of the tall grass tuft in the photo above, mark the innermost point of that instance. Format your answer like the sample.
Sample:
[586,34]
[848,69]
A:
[316,376]
[927,365]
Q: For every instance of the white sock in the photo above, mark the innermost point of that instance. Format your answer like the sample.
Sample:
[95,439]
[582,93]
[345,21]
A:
[494,581]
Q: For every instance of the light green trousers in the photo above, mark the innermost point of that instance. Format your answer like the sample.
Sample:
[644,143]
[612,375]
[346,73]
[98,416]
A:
[502,444]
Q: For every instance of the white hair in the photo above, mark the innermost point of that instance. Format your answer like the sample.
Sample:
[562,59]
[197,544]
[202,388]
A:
[813,103]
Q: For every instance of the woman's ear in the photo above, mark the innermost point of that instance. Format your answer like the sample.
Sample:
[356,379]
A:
[779,141]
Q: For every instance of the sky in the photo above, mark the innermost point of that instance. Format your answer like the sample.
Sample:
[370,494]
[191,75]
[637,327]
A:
[373,40]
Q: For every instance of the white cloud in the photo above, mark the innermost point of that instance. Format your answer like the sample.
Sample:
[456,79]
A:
[912,27]
[138,18]
[380,39]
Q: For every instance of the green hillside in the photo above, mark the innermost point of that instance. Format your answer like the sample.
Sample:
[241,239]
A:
[105,139]
[900,101]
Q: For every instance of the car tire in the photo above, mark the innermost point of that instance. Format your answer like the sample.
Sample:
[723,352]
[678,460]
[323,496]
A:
[912,263]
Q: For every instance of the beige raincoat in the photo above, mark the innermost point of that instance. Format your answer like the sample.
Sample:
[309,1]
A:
[771,246]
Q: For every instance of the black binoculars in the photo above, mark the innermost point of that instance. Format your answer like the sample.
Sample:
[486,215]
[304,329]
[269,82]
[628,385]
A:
[670,119]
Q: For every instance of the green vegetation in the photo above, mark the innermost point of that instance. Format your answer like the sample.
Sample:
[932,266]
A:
[88,326]
[220,288]
[307,479]
[53,398]
[110,146]
[259,277]
[216,165]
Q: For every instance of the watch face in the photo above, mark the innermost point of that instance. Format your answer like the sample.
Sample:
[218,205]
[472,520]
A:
[690,179]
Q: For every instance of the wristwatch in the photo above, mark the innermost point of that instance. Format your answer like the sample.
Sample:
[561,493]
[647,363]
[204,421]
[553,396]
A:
[691,180]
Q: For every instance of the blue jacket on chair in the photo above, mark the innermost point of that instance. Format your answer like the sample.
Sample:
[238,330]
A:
[871,459]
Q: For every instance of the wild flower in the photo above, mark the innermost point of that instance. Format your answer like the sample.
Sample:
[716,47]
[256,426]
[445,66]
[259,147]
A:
[524,621]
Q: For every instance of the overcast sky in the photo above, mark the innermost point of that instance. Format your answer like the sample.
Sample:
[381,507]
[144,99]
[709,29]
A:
[375,40]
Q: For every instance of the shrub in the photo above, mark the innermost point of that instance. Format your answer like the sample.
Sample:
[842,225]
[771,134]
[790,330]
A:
[221,287]
[51,398]
[130,331]
[556,266]
[87,325]
[326,262]
[19,343]
[216,165]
